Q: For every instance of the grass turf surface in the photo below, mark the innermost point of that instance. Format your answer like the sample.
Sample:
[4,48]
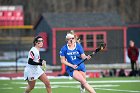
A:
[101,85]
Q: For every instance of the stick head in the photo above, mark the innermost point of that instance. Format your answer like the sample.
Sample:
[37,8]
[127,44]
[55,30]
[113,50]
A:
[102,46]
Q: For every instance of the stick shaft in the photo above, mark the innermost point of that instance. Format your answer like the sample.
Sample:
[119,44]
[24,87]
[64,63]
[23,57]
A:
[94,52]
[86,58]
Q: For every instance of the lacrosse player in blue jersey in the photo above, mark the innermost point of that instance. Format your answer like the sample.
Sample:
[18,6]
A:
[71,54]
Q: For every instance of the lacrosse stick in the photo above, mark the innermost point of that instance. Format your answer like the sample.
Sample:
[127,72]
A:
[101,47]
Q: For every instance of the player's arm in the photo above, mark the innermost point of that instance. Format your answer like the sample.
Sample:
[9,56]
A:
[83,56]
[137,52]
[31,59]
[63,61]
[31,62]
[129,53]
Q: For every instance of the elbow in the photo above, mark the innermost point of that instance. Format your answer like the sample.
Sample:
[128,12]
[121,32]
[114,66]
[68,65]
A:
[62,62]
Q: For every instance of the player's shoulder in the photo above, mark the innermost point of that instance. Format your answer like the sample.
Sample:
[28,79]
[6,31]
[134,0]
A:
[78,45]
[33,49]
[64,47]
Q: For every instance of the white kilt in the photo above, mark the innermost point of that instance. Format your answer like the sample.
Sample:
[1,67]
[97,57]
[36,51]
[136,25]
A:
[32,72]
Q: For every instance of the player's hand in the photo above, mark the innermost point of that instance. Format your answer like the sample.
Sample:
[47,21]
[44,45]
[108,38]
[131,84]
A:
[44,65]
[74,66]
[43,62]
[88,57]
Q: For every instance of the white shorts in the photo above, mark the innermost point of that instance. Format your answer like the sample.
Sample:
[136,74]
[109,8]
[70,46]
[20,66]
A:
[32,72]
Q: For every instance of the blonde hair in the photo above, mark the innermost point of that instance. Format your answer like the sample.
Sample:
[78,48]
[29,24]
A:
[75,36]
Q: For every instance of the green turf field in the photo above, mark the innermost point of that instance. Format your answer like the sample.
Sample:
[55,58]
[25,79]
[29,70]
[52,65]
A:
[101,85]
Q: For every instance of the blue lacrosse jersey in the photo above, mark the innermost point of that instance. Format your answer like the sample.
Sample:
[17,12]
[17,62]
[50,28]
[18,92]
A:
[73,57]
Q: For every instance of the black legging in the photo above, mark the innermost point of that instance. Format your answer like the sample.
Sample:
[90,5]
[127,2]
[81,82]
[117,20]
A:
[133,65]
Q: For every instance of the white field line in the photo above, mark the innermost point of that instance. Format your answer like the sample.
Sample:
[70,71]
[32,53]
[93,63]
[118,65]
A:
[7,88]
[100,87]
[114,81]
[105,87]
[55,86]
[131,91]
[76,82]
[78,86]
[50,77]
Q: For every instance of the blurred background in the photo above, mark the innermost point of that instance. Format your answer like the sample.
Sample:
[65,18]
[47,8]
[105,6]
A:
[114,22]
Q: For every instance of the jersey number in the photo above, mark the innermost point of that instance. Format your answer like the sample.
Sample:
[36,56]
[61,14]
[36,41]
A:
[73,57]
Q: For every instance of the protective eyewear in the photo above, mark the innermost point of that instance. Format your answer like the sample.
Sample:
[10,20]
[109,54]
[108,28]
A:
[69,39]
[39,40]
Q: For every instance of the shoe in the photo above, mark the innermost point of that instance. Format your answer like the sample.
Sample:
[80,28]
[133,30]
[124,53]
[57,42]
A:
[82,90]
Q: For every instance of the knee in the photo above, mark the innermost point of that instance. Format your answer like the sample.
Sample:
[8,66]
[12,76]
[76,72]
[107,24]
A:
[47,84]
[82,81]
[31,87]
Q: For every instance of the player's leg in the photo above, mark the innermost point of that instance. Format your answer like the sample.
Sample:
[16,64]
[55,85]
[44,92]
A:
[46,81]
[132,66]
[78,76]
[82,88]
[30,86]
[136,66]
